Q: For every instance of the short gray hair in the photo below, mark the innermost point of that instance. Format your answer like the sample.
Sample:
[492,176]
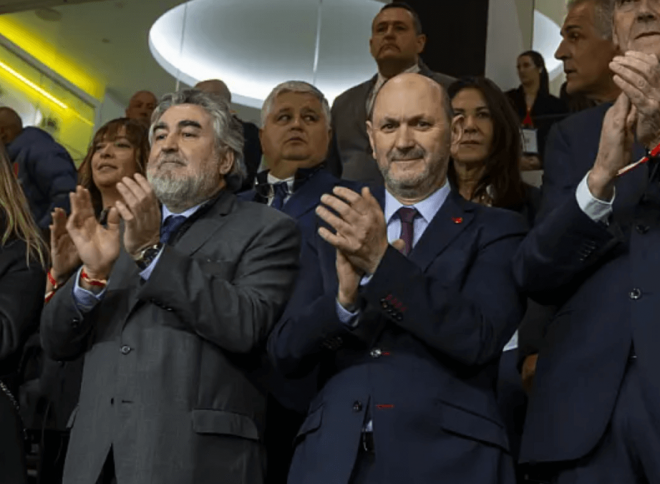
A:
[603,12]
[301,87]
[228,129]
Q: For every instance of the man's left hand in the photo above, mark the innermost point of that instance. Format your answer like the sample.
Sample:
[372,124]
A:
[638,76]
[361,230]
[141,213]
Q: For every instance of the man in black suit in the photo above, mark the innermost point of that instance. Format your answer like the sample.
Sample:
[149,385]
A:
[173,323]
[397,40]
[593,414]
[407,343]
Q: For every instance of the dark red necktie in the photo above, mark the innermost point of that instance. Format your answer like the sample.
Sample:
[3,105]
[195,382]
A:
[407,216]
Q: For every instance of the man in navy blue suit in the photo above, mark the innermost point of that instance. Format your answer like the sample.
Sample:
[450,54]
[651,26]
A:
[295,138]
[404,303]
[594,414]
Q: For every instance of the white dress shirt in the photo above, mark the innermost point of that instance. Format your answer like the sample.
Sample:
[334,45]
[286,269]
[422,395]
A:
[272,180]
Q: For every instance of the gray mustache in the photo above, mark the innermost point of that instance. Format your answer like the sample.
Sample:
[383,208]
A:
[412,154]
[171,159]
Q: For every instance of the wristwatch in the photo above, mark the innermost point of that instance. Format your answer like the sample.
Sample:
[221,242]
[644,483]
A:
[147,256]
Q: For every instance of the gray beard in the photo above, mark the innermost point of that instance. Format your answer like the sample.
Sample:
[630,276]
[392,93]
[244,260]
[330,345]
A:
[181,194]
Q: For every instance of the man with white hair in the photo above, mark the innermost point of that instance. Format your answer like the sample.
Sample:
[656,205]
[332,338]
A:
[594,413]
[173,321]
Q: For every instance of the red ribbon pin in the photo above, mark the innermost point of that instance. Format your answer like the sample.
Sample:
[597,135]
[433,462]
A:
[457,220]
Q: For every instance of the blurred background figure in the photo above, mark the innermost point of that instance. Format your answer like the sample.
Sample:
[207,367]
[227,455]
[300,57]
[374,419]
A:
[23,257]
[44,168]
[397,40]
[141,106]
[537,109]
[252,145]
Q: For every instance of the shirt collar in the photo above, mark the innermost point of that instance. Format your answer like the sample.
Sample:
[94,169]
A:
[427,208]
[187,213]
[272,180]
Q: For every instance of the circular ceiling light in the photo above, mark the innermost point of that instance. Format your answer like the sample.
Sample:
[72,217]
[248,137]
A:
[253,45]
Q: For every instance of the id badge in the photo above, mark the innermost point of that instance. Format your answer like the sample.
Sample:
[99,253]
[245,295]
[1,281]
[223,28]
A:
[530,144]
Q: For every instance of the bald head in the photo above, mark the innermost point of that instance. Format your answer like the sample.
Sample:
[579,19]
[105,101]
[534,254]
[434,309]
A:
[410,133]
[11,125]
[141,106]
[215,87]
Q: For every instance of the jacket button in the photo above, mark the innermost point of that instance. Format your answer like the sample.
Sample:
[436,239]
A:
[635,294]
[399,317]
[357,406]
[376,353]
[125,350]
[642,229]
[75,323]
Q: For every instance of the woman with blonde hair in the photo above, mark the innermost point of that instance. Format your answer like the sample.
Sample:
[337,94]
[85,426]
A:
[23,256]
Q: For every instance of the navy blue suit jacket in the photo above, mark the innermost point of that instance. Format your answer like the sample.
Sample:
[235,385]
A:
[592,271]
[303,202]
[423,360]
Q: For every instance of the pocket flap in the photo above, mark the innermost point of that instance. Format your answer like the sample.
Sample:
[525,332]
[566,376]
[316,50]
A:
[311,423]
[472,425]
[224,423]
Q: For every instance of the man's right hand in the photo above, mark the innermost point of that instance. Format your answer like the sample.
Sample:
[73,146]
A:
[97,246]
[615,149]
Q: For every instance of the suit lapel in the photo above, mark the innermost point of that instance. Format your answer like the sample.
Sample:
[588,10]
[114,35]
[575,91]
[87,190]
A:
[454,216]
[361,114]
[308,196]
[201,229]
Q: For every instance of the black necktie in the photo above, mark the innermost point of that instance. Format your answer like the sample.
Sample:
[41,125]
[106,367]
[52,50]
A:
[170,227]
[407,216]
[281,190]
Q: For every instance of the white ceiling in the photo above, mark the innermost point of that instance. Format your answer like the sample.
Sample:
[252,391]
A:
[253,45]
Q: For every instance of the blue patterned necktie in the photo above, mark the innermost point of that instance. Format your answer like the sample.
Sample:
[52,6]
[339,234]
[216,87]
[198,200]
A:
[281,190]
[407,216]
[170,227]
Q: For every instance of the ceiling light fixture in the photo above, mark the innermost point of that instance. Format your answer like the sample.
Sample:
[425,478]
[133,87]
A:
[31,84]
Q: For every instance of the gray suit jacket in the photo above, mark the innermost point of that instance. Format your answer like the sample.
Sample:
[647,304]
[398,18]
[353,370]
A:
[350,152]
[165,380]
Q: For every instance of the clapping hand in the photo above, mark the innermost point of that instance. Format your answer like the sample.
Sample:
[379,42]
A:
[63,252]
[97,247]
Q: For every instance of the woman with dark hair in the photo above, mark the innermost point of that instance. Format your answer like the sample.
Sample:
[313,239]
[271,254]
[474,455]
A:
[23,256]
[486,149]
[537,109]
[120,148]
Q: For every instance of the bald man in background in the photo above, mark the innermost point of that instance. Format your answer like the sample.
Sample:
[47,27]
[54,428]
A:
[44,168]
[252,147]
[141,106]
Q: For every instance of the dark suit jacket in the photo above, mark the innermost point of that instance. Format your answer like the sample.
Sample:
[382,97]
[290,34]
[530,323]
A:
[306,197]
[423,360]
[593,272]
[166,361]
[251,153]
[21,299]
[350,152]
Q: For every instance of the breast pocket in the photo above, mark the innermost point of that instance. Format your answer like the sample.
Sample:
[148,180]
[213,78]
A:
[220,422]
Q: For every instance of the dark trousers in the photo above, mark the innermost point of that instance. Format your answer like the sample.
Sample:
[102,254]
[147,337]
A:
[628,453]
[364,470]
[12,455]
[108,472]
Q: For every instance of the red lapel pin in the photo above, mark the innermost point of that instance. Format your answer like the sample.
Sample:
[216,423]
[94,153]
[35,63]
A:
[457,220]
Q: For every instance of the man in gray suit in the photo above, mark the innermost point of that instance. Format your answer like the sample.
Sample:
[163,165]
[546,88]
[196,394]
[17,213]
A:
[396,43]
[172,321]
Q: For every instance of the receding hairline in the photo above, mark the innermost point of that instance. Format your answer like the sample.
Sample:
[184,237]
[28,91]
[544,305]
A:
[408,78]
